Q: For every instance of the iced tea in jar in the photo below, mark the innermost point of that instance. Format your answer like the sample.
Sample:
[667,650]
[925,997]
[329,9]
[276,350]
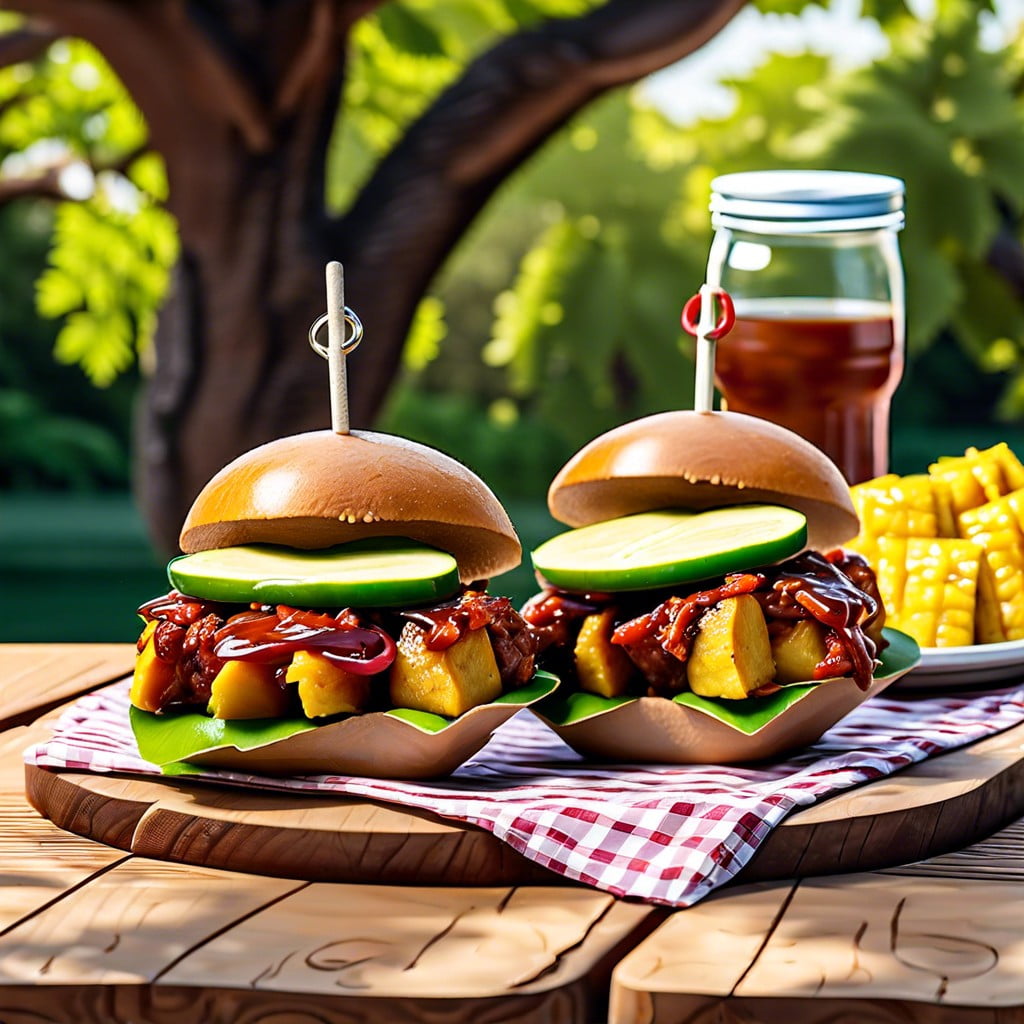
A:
[811,260]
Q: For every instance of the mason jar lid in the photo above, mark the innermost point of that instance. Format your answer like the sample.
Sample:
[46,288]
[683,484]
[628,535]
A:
[798,202]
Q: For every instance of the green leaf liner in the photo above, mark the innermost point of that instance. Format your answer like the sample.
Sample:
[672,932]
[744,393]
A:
[170,740]
[745,716]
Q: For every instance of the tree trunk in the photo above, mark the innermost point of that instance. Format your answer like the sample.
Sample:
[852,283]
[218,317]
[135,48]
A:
[233,365]
[240,97]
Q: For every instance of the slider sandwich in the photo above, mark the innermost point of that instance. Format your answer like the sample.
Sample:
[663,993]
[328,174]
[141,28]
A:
[325,577]
[706,561]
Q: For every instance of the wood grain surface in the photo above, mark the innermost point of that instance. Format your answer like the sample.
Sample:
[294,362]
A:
[36,677]
[939,805]
[944,803]
[91,934]
[920,943]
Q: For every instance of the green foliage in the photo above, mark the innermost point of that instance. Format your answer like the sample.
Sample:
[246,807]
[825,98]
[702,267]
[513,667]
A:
[111,251]
[401,58]
[41,448]
[54,433]
[563,309]
[559,314]
[938,111]
[941,114]
[512,452]
[107,276]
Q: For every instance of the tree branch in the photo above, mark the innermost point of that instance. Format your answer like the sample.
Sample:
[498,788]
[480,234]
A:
[45,185]
[506,104]
[148,43]
[25,43]
[46,182]
[227,90]
[309,63]
[143,58]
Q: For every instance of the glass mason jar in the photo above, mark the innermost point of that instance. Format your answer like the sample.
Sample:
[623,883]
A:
[811,260]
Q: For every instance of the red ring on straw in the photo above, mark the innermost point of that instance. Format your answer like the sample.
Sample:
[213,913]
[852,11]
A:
[724,324]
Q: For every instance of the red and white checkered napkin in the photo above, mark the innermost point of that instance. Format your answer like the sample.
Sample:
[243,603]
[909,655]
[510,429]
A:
[664,834]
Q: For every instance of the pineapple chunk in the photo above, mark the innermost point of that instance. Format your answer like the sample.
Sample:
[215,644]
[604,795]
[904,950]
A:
[732,655]
[601,666]
[152,678]
[326,688]
[798,651]
[447,682]
[245,689]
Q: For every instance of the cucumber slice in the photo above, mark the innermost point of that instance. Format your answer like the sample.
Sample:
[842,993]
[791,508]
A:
[375,573]
[659,549]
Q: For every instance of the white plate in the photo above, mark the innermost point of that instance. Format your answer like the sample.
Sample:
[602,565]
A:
[962,668]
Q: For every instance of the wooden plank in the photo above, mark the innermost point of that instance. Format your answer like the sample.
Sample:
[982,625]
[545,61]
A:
[884,937]
[386,940]
[99,1004]
[697,957]
[708,1010]
[455,954]
[335,952]
[998,858]
[38,862]
[36,677]
[869,947]
[129,924]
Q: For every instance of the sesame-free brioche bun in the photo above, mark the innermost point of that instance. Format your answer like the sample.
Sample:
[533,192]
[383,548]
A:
[701,460]
[319,489]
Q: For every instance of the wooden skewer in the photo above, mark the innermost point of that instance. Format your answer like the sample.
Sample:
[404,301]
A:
[335,347]
[704,378]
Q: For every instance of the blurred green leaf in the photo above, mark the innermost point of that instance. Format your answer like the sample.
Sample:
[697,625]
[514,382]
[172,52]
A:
[409,32]
[42,447]
[425,336]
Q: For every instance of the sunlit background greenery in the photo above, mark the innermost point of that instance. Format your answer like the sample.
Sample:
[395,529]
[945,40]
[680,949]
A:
[558,315]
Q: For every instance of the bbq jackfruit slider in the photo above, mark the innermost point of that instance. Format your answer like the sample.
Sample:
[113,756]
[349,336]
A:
[705,567]
[328,575]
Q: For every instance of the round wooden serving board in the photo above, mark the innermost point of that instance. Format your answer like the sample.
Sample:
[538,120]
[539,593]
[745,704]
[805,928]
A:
[942,804]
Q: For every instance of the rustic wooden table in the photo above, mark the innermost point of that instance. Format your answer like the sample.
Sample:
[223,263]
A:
[93,933]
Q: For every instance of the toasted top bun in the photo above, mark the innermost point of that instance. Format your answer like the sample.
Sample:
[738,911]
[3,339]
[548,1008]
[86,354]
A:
[703,460]
[319,489]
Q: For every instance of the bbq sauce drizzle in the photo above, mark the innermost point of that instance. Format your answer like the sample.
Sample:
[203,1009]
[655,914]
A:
[448,623]
[810,586]
[675,622]
[813,586]
[197,636]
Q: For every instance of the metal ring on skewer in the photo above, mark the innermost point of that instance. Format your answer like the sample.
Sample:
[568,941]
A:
[354,333]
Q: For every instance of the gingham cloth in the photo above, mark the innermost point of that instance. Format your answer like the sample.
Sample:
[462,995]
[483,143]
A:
[664,834]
